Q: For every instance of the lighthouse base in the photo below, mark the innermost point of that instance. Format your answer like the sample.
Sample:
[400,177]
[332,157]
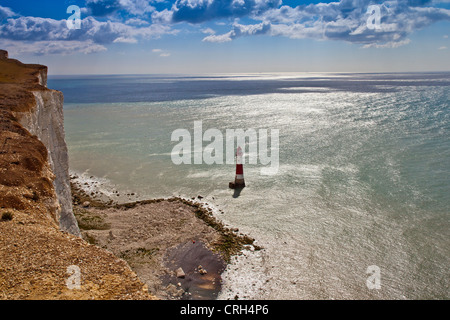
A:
[236,185]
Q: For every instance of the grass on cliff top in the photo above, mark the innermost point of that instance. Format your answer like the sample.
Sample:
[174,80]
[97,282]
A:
[7,216]
[88,220]
[12,73]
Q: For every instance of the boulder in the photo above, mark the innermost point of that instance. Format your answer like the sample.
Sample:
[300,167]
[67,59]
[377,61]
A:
[180,273]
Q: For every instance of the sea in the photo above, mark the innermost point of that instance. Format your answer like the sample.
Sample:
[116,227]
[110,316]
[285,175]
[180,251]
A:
[357,207]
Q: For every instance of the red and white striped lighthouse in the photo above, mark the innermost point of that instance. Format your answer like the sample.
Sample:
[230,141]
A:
[239,181]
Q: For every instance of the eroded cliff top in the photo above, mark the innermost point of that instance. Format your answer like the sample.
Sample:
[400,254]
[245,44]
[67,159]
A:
[34,253]
[25,175]
[17,80]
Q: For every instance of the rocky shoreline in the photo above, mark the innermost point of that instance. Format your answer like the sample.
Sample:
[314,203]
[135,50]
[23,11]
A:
[176,246]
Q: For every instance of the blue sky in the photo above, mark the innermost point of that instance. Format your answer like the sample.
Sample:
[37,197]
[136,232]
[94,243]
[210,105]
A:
[229,36]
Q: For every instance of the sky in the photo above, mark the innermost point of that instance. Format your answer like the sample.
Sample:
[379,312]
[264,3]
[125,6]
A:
[227,36]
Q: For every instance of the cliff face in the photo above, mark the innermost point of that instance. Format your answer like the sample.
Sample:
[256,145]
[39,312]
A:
[41,113]
[46,121]
[35,201]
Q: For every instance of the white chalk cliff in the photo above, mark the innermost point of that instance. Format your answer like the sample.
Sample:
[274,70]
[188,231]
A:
[46,121]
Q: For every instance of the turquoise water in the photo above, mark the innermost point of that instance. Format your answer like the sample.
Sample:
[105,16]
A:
[363,179]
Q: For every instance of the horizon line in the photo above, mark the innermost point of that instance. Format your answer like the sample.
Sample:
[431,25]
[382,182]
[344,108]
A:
[246,73]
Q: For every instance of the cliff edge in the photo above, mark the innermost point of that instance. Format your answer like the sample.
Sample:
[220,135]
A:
[24,97]
[41,253]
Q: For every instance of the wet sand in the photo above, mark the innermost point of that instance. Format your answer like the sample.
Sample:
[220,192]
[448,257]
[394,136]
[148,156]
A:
[202,270]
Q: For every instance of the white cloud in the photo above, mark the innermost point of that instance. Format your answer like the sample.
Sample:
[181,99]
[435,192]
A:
[240,30]
[137,7]
[197,11]
[6,12]
[125,40]
[161,52]
[208,31]
[163,17]
[137,22]
[345,20]
[93,33]
[390,44]
[109,8]
[51,47]
[227,37]
[442,48]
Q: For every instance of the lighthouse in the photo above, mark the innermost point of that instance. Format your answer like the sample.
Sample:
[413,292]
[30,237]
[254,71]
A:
[239,181]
